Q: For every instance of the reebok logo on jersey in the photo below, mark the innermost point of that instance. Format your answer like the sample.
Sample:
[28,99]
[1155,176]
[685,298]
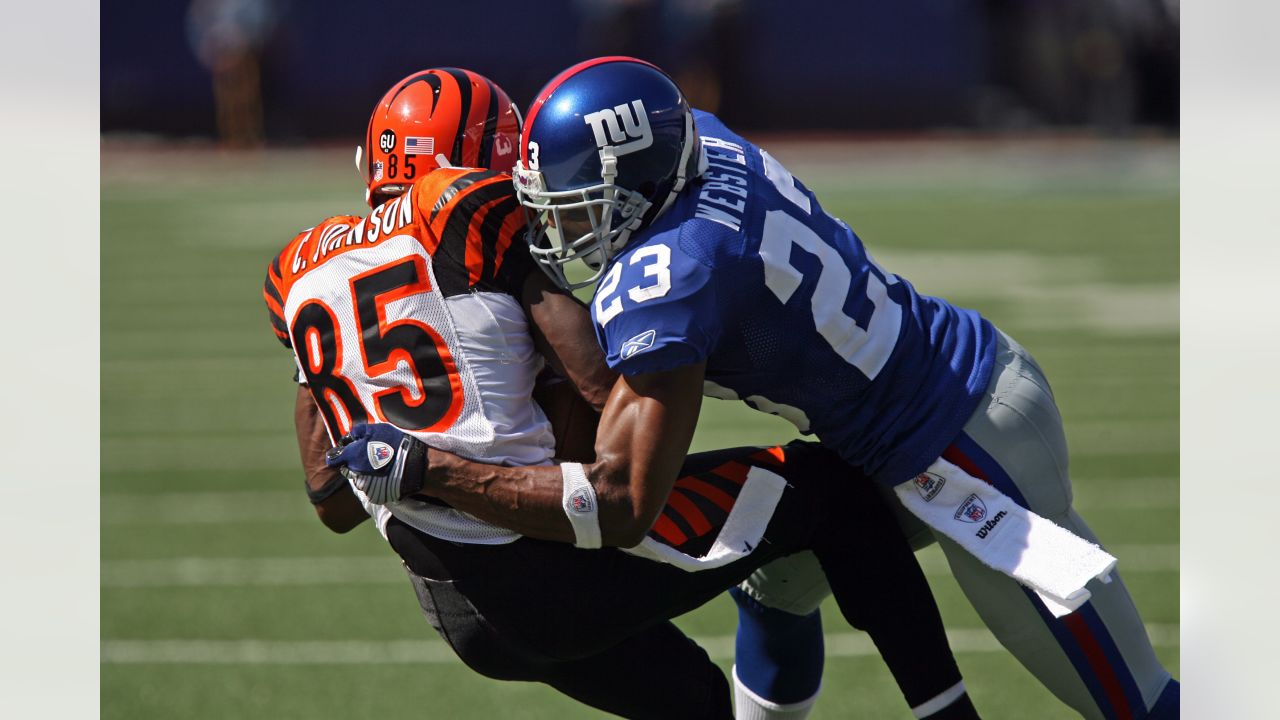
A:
[580,501]
[972,510]
[380,454]
[990,525]
[929,485]
[622,123]
[638,344]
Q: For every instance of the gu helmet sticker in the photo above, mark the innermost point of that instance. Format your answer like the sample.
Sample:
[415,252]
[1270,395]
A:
[387,141]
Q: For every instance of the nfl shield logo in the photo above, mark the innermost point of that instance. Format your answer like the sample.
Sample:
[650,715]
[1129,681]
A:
[929,485]
[379,454]
[377,170]
[580,502]
[972,510]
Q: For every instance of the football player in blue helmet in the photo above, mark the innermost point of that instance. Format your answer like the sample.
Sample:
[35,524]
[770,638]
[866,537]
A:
[717,272]
[588,210]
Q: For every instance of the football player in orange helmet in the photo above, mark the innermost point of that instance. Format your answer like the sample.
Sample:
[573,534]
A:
[439,117]
[456,114]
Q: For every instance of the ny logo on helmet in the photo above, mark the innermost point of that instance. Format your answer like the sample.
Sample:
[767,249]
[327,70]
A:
[628,127]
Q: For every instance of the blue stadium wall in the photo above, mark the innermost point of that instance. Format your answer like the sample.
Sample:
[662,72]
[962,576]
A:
[799,64]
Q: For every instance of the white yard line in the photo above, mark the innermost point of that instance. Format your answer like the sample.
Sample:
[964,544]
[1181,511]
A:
[1043,291]
[256,452]
[1125,494]
[1123,437]
[185,508]
[385,569]
[253,572]
[399,652]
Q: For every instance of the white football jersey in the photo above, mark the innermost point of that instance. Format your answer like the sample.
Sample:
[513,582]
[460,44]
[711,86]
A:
[408,316]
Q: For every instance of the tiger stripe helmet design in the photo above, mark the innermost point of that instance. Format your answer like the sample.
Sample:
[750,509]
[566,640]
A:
[456,113]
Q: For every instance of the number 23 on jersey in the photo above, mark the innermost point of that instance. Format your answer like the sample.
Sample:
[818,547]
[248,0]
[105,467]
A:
[866,348]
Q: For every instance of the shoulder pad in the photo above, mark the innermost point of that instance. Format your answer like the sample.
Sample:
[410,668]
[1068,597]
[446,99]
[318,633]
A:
[475,223]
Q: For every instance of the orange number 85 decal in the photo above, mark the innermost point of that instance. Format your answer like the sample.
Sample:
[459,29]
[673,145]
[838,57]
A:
[435,400]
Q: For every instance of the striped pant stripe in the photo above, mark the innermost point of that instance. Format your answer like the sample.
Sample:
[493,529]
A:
[1082,635]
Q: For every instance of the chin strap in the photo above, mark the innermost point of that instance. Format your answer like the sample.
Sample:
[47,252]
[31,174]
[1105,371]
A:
[634,207]
[693,162]
[691,158]
[608,173]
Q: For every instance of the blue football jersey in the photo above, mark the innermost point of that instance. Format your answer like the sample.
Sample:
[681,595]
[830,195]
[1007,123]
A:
[792,316]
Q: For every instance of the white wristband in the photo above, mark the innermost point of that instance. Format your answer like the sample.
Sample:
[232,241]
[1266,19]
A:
[580,506]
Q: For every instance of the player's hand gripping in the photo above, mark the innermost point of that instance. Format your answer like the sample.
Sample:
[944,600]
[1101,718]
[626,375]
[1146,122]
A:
[383,462]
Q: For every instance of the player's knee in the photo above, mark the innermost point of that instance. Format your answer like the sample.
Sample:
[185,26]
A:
[493,656]
[778,655]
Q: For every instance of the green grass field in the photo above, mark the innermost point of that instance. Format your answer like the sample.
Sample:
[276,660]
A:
[223,597]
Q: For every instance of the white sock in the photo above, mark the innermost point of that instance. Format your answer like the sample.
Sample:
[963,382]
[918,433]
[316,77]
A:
[750,706]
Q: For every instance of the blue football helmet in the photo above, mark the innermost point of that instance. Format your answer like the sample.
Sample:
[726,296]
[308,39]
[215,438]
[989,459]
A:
[607,146]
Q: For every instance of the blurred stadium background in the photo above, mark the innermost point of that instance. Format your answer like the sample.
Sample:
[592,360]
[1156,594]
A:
[1015,156]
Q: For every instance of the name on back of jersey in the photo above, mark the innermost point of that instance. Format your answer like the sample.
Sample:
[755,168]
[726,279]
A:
[723,196]
[382,222]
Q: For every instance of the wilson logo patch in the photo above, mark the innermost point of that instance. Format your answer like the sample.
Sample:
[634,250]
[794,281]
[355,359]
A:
[990,525]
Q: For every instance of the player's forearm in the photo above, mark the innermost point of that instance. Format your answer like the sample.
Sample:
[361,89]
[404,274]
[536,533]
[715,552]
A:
[562,331]
[527,500]
[644,434]
[342,511]
[530,500]
[335,504]
[573,420]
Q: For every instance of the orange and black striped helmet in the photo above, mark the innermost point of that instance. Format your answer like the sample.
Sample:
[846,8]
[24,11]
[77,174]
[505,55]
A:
[459,114]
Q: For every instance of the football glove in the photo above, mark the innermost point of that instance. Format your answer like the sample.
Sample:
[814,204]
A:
[381,461]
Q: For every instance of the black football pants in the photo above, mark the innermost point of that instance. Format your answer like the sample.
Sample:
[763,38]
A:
[595,624]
